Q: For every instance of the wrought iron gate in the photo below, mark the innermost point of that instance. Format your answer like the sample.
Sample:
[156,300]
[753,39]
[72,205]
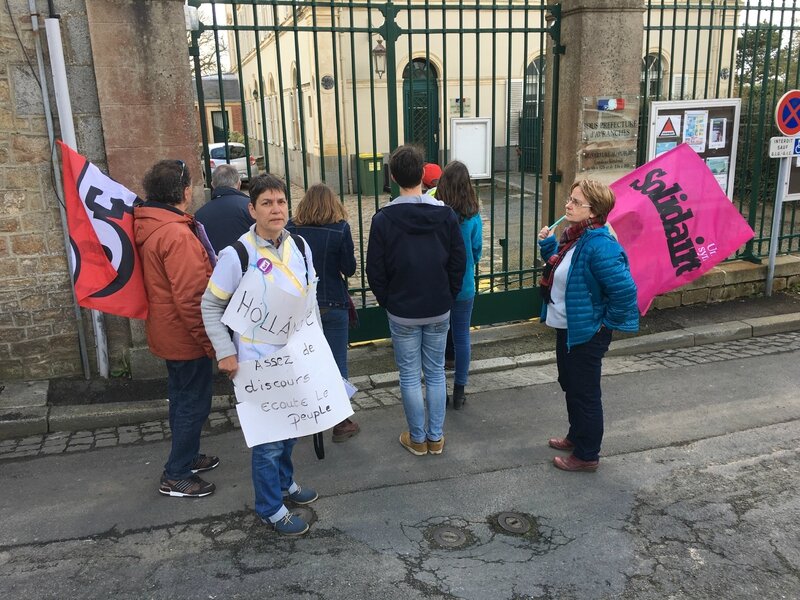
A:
[320,98]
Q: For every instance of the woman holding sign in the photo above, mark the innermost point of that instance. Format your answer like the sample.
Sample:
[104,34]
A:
[322,221]
[279,266]
[587,291]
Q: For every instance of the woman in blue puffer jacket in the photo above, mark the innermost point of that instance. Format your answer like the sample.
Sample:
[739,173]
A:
[587,291]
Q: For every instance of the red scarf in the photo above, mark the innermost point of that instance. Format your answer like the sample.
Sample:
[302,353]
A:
[571,235]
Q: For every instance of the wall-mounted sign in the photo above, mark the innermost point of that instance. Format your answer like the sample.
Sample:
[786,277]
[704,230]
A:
[471,143]
[709,127]
[784,147]
[457,104]
[609,129]
[327,82]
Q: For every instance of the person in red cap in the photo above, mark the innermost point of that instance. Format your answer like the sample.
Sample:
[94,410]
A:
[431,172]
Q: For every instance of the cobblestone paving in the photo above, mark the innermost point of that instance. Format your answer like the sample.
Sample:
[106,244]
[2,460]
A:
[369,398]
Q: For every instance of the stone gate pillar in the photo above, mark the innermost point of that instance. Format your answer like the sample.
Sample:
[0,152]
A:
[602,58]
[144,87]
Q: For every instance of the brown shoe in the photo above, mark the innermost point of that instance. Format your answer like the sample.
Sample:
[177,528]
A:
[345,430]
[416,448]
[573,463]
[436,447]
[560,444]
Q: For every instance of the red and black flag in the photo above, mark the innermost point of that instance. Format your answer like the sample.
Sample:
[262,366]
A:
[107,270]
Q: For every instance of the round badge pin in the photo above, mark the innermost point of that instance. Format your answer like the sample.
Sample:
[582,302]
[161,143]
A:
[264,265]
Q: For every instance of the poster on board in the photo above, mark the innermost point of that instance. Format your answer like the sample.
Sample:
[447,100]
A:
[695,124]
[716,137]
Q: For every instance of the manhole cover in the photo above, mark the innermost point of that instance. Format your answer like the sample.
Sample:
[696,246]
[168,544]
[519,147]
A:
[514,522]
[447,536]
[307,514]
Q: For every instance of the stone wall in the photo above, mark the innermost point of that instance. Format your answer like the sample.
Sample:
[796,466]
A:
[38,328]
[731,280]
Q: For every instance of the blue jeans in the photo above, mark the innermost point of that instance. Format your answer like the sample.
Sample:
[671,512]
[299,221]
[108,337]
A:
[189,389]
[579,376]
[460,317]
[272,474]
[336,326]
[421,347]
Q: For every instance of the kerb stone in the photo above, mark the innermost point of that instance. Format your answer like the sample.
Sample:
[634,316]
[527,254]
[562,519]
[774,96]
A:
[380,380]
[22,422]
[23,395]
[500,363]
[94,416]
[650,343]
[535,358]
[774,324]
[721,332]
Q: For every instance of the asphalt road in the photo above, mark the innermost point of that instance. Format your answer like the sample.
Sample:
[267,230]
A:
[697,496]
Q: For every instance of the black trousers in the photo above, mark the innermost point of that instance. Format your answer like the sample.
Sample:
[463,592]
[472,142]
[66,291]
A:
[579,376]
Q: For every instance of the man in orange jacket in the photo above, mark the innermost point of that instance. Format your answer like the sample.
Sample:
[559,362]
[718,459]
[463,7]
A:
[177,265]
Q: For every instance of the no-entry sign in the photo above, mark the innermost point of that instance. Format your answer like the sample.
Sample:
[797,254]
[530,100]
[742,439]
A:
[787,113]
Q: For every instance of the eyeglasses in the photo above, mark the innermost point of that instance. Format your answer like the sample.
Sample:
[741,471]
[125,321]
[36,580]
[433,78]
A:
[577,203]
[183,169]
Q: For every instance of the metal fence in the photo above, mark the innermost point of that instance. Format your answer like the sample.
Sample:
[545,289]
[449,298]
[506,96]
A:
[323,90]
[327,88]
[730,49]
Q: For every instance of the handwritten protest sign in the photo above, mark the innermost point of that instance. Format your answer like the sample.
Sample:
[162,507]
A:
[293,392]
[674,221]
[263,312]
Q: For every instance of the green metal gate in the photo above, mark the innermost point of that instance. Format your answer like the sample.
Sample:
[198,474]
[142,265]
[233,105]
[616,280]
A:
[748,49]
[321,83]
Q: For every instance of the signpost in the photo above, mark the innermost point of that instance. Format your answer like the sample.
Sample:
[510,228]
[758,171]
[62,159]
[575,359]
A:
[787,119]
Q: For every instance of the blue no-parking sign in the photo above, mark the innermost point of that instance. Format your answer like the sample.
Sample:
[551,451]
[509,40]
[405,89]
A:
[787,113]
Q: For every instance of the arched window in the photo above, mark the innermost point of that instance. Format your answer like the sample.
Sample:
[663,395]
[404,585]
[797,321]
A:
[295,98]
[652,75]
[534,86]
[273,137]
[419,68]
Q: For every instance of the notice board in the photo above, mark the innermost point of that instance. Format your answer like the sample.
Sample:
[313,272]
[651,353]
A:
[710,127]
[471,143]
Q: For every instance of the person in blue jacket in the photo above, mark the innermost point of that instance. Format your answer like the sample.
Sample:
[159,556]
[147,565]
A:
[587,292]
[456,191]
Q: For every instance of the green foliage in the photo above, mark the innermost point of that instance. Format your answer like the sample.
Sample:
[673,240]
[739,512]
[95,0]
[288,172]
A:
[757,53]
[123,368]
[235,136]
[766,66]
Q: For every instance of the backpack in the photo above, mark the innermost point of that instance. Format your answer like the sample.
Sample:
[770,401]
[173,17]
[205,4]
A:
[244,257]
[244,260]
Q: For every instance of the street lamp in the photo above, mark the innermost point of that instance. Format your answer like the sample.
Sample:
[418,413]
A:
[379,58]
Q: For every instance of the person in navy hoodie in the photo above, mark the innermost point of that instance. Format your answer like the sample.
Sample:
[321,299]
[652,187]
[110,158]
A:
[415,267]
[226,216]
[587,291]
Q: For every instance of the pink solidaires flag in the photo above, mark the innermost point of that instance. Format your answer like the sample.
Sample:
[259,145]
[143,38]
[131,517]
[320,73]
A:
[675,222]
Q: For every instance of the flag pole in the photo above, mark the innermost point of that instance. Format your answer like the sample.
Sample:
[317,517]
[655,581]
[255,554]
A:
[82,346]
[61,90]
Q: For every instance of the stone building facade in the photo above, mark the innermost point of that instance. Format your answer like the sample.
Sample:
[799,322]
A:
[130,87]
[38,327]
